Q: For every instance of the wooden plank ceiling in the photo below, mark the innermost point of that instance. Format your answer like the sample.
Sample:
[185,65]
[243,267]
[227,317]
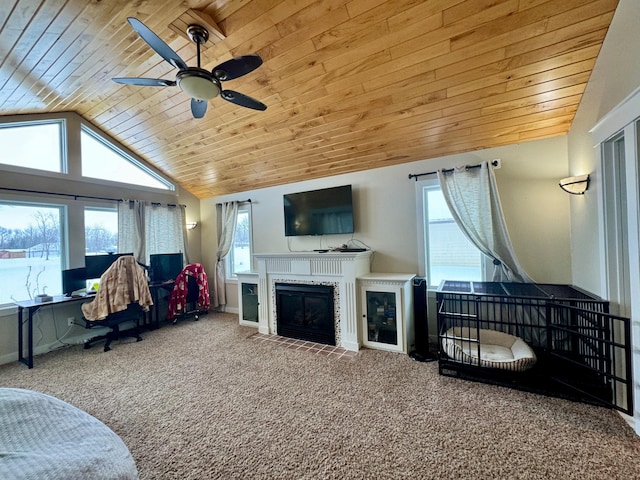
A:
[349,85]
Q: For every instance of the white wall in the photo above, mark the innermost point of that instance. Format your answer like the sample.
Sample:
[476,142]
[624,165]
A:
[615,76]
[536,211]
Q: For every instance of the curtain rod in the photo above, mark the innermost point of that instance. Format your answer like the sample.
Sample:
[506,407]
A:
[248,200]
[61,194]
[75,197]
[494,163]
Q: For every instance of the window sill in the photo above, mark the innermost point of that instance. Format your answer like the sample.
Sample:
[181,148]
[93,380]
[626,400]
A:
[8,310]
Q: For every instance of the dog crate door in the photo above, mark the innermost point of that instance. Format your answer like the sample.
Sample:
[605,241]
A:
[597,345]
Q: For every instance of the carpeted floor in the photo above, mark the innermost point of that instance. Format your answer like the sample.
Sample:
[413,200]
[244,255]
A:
[209,400]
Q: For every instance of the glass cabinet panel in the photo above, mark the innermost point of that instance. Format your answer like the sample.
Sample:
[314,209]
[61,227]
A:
[248,306]
[382,323]
[381,304]
[249,302]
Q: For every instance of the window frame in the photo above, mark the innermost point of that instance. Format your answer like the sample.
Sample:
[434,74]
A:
[63,169]
[96,208]
[230,275]
[62,208]
[126,156]
[423,237]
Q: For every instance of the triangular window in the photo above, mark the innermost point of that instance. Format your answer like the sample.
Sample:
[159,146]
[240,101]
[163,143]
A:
[105,161]
[33,145]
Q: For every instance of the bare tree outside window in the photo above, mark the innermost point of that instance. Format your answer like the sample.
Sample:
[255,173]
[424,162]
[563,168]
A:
[48,233]
[100,230]
[30,250]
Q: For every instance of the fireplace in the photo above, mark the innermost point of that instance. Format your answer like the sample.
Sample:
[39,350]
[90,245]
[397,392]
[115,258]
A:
[339,270]
[305,312]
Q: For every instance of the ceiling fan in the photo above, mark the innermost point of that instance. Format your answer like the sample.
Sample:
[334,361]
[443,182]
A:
[200,84]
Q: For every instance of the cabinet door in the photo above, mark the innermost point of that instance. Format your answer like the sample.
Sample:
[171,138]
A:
[248,303]
[382,317]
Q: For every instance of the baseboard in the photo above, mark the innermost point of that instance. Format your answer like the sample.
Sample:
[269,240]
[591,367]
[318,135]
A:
[630,420]
[57,344]
[352,346]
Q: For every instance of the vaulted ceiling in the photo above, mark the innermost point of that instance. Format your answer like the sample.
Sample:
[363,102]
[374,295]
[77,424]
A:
[349,85]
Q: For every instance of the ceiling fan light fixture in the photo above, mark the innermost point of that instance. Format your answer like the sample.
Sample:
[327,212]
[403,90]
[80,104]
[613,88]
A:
[198,84]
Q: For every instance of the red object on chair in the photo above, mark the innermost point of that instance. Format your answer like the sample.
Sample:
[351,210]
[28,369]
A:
[179,297]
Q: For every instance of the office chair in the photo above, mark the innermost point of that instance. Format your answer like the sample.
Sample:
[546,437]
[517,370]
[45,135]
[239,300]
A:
[113,321]
[123,296]
[190,294]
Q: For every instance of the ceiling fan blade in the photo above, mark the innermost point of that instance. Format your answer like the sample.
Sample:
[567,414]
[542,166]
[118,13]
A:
[155,42]
[145,82]
[198,108]
[242,100]
[237,67]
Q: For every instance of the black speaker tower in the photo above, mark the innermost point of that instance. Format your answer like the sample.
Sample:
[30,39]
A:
[421,322]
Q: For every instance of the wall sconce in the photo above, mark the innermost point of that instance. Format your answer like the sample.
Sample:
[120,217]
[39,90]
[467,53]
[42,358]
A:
[575,185]
[191,225]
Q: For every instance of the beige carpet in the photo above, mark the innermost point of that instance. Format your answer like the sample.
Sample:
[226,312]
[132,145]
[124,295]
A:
[204,400]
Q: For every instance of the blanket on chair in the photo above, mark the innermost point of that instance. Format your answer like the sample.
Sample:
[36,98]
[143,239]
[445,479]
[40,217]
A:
[178,296]
[123,283]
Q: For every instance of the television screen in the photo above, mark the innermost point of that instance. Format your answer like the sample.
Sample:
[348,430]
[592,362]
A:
[96,265]
[165,266]
[319,212]
[73,279]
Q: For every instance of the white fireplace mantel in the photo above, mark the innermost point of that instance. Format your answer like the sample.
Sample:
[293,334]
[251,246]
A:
[339,268]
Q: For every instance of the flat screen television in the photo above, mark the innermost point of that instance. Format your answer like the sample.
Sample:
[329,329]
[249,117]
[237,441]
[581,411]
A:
[319,212]
[165,266]
[73,280]
[96,265]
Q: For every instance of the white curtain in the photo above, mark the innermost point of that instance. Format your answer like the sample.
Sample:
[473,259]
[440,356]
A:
[146,229]
[472,197]
[164,230]
[227,218]
[131,229]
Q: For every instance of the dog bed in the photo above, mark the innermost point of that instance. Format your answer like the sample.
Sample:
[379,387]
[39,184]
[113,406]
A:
[488,348]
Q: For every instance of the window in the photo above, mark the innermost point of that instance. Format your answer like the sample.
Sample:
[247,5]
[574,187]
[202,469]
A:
[106,162]
[33,145]
[100,230]
[31,250]
[239,257]
[449,254]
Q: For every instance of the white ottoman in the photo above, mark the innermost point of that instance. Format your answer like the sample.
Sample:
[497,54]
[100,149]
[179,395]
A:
[44,437]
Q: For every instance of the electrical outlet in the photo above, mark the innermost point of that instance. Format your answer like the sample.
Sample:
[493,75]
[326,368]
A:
[71,321]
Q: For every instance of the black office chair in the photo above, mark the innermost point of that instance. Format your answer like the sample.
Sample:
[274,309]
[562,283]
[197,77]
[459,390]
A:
[133,313]
[123,296]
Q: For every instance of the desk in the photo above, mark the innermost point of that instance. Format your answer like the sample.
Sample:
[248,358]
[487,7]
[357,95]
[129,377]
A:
[31,306]
[156,288]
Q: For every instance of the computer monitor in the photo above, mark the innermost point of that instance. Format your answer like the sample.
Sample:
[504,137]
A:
[165,266]
[96,265]
[73,280]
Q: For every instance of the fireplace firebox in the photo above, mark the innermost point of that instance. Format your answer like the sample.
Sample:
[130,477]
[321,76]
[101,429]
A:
[306,312]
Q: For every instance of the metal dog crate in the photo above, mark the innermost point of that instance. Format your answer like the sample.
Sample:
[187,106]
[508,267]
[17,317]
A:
[583,353]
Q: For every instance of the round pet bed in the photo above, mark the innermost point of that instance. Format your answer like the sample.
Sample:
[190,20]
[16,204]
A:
[496,349]
[44,437]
